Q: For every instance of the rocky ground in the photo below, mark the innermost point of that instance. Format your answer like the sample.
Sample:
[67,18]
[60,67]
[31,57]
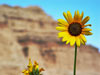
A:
[30,32]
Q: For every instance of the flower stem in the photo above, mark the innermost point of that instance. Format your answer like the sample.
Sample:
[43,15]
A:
[75,57]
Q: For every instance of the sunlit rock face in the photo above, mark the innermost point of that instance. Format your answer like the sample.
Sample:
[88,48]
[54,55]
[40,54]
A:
[30,33]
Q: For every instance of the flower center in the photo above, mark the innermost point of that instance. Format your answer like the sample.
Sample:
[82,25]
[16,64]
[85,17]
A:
[75,29]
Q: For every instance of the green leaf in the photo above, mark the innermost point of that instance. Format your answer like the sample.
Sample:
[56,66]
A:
[37,71]
[34,72]
[30,73]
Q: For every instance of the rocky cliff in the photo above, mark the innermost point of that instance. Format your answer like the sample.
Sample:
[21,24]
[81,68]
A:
[30,32]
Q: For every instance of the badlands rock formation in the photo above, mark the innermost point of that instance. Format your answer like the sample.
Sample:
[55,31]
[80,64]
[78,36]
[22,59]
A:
[30,33]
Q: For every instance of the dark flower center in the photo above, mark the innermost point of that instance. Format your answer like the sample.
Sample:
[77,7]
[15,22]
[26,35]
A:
[75,29]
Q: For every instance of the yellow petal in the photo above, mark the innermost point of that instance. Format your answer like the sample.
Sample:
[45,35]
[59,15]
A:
[35,63]
[86,25]
[75,16]
[69,16]
[63,22]
[36,66]
[78,41]
[72,41]
[61,28]
[86,29]
[68,41]
[62,34]
[26,72]
[62,25]
[78,15]
[83,42]
[83,37]
[86,19]
[66,17]
[87,33]
[81,16]
[30,63]
[64,38]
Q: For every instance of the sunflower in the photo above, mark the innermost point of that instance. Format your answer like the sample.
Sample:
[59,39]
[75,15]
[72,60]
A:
[74,28]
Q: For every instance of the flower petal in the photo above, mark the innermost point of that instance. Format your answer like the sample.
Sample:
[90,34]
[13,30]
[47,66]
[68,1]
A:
[83,42]
[35,63]
[62,34]
[78,41]
[30,66]
[69,16]
[86,19]
[66,37]
[63,22]
[86,29]
[81,16]
[78,15]
[83,37]
[62,25]
[68,41]
[86,25]
[61,28]
[75,16]
[30,63]
[87,33]
[66,17]
[72,41]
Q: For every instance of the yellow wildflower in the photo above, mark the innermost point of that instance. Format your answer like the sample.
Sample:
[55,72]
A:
[74,28]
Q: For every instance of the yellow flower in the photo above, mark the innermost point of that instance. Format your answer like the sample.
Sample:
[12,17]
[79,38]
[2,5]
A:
[74,29]
[36,66]
[26,72]
[31,67]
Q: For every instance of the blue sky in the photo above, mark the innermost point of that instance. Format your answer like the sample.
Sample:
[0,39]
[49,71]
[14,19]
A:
[55,9]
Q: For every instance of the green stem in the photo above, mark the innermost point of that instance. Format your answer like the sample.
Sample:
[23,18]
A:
[75,57]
